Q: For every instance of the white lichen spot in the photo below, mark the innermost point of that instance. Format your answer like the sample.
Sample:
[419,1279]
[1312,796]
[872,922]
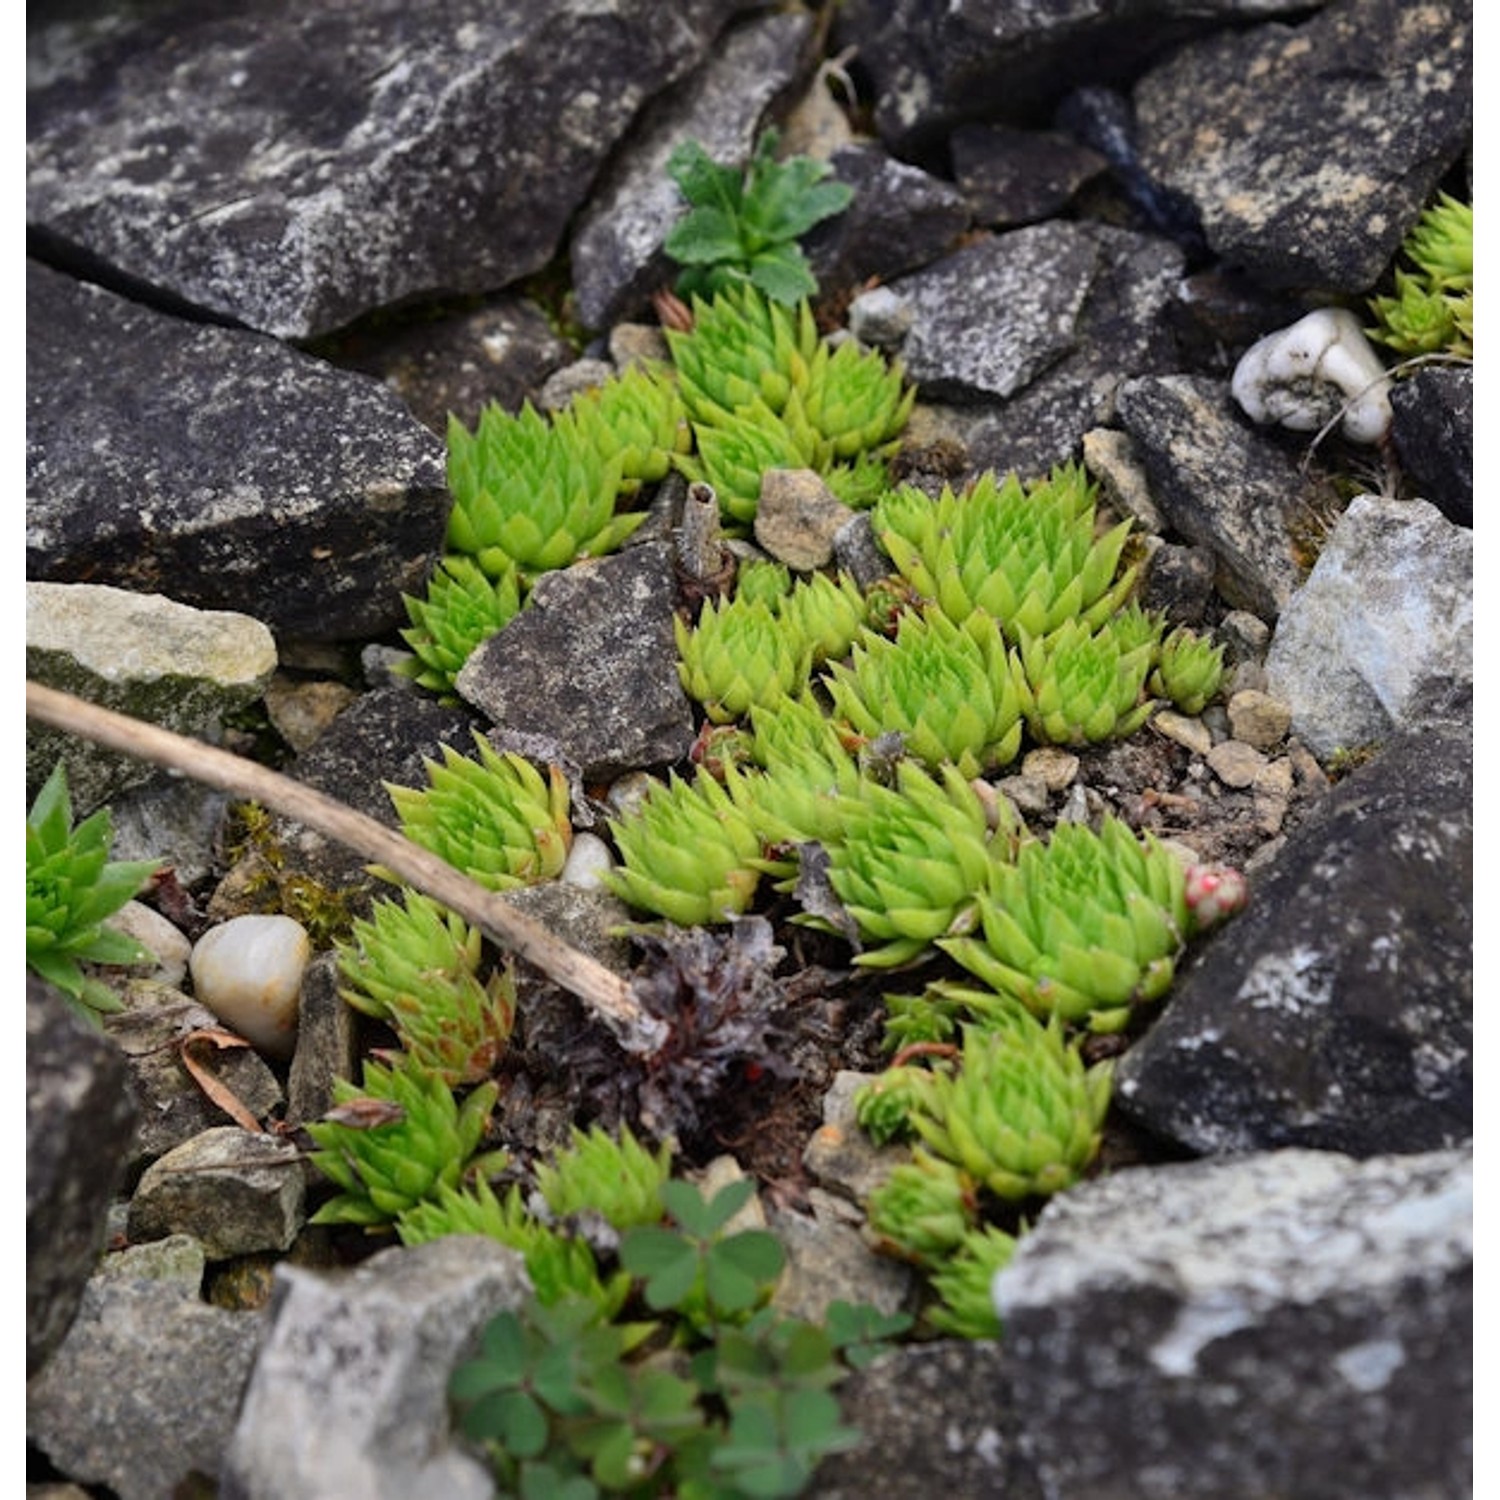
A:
[1286,981]
[1369,1366]
[1196,1326]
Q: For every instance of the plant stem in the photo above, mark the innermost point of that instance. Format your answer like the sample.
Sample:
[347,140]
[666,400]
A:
[604,992]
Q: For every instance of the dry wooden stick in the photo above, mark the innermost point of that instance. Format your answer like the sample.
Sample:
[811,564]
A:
[606,993]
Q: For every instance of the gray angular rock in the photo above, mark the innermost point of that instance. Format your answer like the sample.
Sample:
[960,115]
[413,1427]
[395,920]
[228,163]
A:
[1335,1010]
[1433,432]
[349,1398]
[591,663]
[328,1037]
[1384,621]
[1310,149]
[220,468]
[1119,329]
[1221,484]
[80,1118]
[1015,176]
[143,1393]
[616,253]
[236,1192]
[934,1419]
[1292,1323]
[142,655]
[901,218]
[988,319]
[931,67]
[411,159]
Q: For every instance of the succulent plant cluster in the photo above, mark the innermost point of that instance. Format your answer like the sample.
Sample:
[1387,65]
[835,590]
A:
[395,1140]
[498,819]
[1432,308]
[416,966]
[72,888]
[462,608]
[532,493]
[1082,926]
[763,392]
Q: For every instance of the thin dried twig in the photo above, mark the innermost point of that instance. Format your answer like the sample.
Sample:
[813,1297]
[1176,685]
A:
[604,992]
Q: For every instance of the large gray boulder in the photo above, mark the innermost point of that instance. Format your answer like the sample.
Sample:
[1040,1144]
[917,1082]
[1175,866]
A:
[292,167]
[1289,1324]
[220,468]
[1335,1011]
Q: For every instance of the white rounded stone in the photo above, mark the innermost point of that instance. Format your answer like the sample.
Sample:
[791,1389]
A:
[168,947]
[248,972]
[589,857]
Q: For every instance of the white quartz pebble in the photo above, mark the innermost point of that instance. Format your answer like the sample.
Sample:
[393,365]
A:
[587,860]
[248,972]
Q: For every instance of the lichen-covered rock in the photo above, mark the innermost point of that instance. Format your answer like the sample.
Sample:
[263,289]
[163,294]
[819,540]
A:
[1290,1323]
[1309,150]
[140,654]
[1335,1010]
[1384,622]
[80,1117]
[437,148]
[591,664]
[220,468]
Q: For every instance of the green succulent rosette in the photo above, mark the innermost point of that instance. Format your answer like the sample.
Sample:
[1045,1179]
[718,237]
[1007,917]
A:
[532,494]
[416,966]
[828,613]
[463,608]
[638,417]
[1020,1115]
[948,691]
[687,853]
[855,399]
[558,1265]
[1079,687]
[963,1284]
[912,859]
[736,449]
[882,1105]
[1432,311]
[498,819]
[424,1141]
[923,1211]
[1083,926]
[743,349]
[739,654]
[613,1176]
[1189,669]
[72,887]
[765,582]
[1026,554]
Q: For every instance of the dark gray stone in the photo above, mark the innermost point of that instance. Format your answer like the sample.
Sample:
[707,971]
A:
[328,1037]
[1014,176]
[1291,1323]
[220,468]
[932,67]
[460,362]
[142,1395]
[1222,485]
[591,664]
[901,219]
[615,254]
[1310,149]
[934,1419]
[1118,329]
[80,1118]
[423,150]
[349,1399]
[1335,1010]
[1433,432]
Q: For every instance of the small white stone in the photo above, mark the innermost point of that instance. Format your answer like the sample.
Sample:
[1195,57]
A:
[248,972]
[588,859]
[1301,376]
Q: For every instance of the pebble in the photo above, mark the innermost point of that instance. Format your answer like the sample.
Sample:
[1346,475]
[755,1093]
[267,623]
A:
[1193,734]
[168,947]
[798,518]
[1235,763]
[248,972]
[1258,719]
[1053,766]
[587,860]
